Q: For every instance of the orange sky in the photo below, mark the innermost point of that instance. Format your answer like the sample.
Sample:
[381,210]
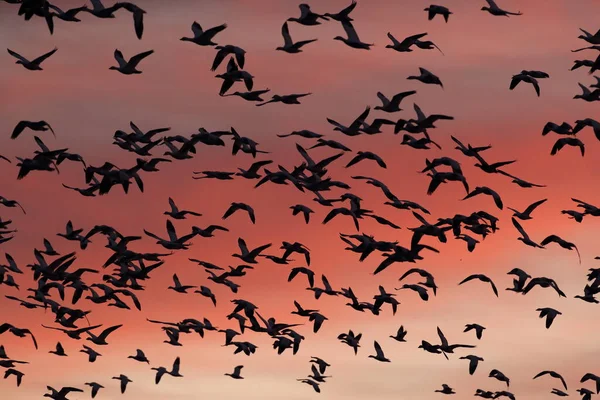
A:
[85,103]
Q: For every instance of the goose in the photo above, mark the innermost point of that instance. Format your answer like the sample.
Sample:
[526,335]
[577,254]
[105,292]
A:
[587,94]
[95,388]
[160,371]
[62,393]
[204,37]
[473,362]
[240,206]
[174,242]
[33,65]
[176,213]
[434,10]
[232,75]
[18,332]
[343,15]
[285,99]
[307,17]
[37,126]
[60,351]
[236,372]
[249,96]
[445,390]
[553,374]
[352,40]
[299,208]
[179,288]
[588,37]
[562,129]
[288,44]
[568,141]
[516,79]
[406,44]
[426,77]
[477,328]
[550,314]
[129,67]
[379,356]
[247,256]
[393,104]
[100,340]
[482,278]
[224,51]
[526,215]
[124,381]
[493,9]
[140,356]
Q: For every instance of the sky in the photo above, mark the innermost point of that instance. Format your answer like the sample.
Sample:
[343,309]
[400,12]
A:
[86,103]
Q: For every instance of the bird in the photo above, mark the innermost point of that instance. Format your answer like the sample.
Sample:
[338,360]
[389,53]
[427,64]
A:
[473,362]
[366,155]
[60,351]
[33,65]
[524,236]
[379,356]
[236,372]
[249,256]
[499,376]
[179,288]
[592,377]
[516,79]
[400,335]
[478,329]
[307,17]
[129,67]
[393,104]
[562,243]
[176,213]
[205,37]
[37,126]
[482,278]
[285,99]
[568,141]
[124,381]
[486,190]
[352,39]
[101,339]
[493,9]
[140,356]
[434,10]
[161,371]
[299,208]
[240,206]
[445,390]
[526,215]
[426,77]
[289,46]
[95,388]
[18,332]
[553,374]
[550,314]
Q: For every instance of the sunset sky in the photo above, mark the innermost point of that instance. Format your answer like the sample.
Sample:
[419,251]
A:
[86,103]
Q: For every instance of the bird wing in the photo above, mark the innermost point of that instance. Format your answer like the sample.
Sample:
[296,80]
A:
[533,206]
[108,331]
[350,31]
[285,32]
[18,56]
[361,118]
[135,60]
[120,59]
[171,231]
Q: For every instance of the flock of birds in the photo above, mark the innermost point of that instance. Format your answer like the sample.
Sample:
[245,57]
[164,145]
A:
[54,274]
